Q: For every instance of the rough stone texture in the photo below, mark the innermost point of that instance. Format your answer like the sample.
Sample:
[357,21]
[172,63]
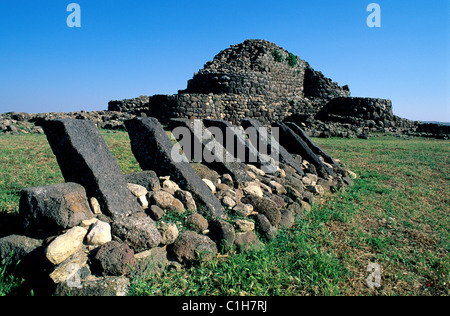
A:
[54,207]
[200,145]
[269,141]
[295,144]
[150,262]
[191,247]
[20,246]
[187,199]
[114,259]
[265,227]
[99,234]
[266,207]
[169,233]
[247,241]
[137,190]
[197,222]
[96,286]
[65,245]
[138,231]
[166,201]
[84,158]
[148,179]
[70,269]
[222,233]
[234,140]
[154,151]
[315,149]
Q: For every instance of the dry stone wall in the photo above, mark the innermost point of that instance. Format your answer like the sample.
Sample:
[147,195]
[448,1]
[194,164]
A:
[100,230]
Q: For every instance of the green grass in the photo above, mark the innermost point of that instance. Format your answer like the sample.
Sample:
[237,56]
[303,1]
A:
[395,215]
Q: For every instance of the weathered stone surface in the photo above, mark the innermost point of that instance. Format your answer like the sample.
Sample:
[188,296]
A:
[210,185]
[54,207]
[243,209]
[154,151]
[247,241]
[244,226]
[138,231]
[271,143]
[71,269]
[316,149]
[169,233]
[137,190]
[65,245]
[155,212]
[187,199]
[96,286]
[99,234]
[197,222]
[295,144]
[191,247]
[287,219]
[150,262]
[114,259]
[164,200]
[84,158]
[266,207]
[254,189]
[265,227]
[222,233]
[95,206]
[227,180]
[234,140]
[148,179]
[214,155]
[20,246]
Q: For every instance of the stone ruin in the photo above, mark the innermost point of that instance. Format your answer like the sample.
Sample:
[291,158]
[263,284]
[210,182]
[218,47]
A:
[255,79]
[258,79]
[99,229]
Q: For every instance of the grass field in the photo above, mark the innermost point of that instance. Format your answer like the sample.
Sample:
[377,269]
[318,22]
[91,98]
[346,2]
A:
[396,215]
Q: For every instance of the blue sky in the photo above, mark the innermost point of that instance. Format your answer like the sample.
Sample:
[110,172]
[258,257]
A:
[129,48]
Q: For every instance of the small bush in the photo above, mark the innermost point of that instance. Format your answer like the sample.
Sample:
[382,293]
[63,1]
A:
[277,56]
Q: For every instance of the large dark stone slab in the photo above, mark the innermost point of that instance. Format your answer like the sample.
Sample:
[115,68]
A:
[234,140]
[154,151]
[295,144]
[207,149]
[264,139]
[84,158]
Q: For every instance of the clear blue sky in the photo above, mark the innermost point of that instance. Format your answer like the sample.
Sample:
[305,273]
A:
[129,48]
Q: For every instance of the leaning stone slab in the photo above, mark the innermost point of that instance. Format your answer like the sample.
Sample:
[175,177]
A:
[206,149]
[316,149]
[54,207]
[264,139]
[148,179]
[154,151]
[84,158]
[295,144]
[234,140]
